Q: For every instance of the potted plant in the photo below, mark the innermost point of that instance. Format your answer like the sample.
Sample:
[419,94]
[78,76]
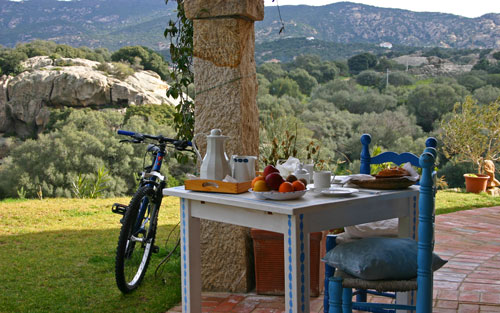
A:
[472,134]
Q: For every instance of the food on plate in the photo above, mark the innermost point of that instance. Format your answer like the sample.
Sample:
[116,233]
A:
[257,179]
[393,172]
[274,180]
[269,169]
[291,178]
[260,185]
[298,185]
[304,181]
[286,187]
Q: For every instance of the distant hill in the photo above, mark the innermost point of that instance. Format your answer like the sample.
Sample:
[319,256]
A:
[116,23]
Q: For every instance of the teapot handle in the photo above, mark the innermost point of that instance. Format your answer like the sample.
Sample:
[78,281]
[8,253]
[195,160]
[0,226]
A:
[194,146]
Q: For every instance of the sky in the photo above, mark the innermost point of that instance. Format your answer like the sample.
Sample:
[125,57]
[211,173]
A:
[473,8]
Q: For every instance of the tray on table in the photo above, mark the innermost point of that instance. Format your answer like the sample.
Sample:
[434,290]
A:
[209,185]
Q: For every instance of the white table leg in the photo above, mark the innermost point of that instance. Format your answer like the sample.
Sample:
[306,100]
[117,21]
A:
[297,285]
[408,227]
[190,259]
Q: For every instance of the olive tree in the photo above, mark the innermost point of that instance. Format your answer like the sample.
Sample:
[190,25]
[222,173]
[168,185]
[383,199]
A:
[472,133]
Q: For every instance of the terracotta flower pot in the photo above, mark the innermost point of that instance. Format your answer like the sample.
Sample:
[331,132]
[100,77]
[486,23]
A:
[476,183]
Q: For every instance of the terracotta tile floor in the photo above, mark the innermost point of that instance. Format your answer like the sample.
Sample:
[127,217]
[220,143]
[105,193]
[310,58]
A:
[469,282]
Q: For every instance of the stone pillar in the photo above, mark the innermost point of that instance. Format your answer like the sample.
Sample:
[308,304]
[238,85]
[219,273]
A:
[226,90]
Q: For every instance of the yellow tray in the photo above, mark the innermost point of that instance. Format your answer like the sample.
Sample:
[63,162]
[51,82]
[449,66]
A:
[209,185]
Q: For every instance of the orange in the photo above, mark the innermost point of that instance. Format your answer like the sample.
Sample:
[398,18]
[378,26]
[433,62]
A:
[256,179]
[286,187]
[260,185]
[298,185]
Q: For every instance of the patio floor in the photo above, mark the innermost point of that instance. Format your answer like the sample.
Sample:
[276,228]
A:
[469,282]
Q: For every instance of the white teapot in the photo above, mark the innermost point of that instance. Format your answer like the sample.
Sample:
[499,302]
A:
[215,164]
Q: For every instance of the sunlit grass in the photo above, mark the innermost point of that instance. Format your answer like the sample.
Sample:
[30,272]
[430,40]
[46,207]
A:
[452,201]
[57,255]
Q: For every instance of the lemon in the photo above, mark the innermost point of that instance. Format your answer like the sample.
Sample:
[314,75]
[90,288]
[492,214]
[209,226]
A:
[260,185]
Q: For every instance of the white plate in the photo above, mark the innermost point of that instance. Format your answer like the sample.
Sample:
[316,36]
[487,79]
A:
[275,195]
[337,191]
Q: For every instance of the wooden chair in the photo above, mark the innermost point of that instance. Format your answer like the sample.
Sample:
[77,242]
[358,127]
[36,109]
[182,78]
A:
[366,161]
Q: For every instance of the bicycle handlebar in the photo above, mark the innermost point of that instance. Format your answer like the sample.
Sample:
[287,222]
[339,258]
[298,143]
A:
[180,144]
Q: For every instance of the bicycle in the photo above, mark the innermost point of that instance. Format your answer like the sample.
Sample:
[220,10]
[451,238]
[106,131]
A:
[140,217]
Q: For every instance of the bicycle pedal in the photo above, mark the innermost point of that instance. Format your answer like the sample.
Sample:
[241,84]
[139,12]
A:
[155,249]
[119,208]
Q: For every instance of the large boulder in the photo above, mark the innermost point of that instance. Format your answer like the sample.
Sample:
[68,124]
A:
[26,98]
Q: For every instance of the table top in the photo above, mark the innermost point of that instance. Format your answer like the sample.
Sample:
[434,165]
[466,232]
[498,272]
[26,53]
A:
[309,201]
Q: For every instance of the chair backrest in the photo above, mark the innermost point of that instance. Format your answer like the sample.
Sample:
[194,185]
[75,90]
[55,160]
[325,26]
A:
[389,156]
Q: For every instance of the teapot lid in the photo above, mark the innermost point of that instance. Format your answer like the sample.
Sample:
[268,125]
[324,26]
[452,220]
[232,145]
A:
[216,133]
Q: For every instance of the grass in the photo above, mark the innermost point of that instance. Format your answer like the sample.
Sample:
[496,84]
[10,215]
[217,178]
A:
[57,255]
[452,201]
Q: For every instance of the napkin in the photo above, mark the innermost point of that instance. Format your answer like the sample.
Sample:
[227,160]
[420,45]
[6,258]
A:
[288,167]
[413,174]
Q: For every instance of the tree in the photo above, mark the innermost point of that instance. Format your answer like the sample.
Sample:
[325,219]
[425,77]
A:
[271,71]
[361,62]
[472,133]
[368,78]
[486,94]
[496,55]
[285,86]
[306,82]
[147,58]
[10,61]
[430,102]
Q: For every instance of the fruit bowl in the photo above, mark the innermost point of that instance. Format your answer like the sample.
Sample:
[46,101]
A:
[275,195]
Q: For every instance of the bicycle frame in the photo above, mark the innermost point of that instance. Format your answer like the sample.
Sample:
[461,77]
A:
[154,174]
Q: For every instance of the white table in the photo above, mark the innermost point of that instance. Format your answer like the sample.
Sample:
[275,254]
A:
[293,218]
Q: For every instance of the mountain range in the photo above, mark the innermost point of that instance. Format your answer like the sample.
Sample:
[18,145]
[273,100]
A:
[117,23]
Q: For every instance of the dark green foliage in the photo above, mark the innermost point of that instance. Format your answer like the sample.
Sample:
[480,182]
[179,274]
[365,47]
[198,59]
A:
[346,95]
[79,145]
[486,94]
[437,52]
[454,173]
[472,80]
[430,102]
[161,114]
[271,71]
[10,61]
[482,65]
[323,71]
[493,80]
[369,78]
[147,58]
[285,86]
[361,62]
[400,79]
[305,81]
[180,34]
[41,47]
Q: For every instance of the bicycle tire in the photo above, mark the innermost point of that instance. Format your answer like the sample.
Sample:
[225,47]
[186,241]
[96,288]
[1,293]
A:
[132,262]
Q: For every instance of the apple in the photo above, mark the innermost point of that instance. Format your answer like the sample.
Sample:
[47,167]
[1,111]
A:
[269,169]
[274,180]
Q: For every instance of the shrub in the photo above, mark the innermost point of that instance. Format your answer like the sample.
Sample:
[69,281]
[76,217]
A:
[368,78]
[79,145]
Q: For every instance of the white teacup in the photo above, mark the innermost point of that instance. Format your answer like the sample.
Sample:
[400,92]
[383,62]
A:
[322,179]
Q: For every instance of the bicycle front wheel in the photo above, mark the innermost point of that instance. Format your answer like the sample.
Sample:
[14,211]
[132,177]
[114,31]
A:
[136,239]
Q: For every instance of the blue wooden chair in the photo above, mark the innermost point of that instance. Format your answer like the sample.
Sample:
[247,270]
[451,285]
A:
[366,161]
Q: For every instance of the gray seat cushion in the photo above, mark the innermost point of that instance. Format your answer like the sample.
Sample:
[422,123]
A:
[378,258]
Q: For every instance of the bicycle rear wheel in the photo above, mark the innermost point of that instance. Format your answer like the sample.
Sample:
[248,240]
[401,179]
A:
[136,240]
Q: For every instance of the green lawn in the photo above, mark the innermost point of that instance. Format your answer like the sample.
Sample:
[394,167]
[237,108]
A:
[57,255]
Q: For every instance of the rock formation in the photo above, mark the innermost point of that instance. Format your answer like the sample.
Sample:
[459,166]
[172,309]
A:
[26,98]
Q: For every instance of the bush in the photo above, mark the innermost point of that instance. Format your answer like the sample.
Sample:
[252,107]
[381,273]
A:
[454,173]
[79,145]
[369,78]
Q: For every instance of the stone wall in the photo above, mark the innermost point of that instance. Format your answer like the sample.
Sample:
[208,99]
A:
[226,90]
